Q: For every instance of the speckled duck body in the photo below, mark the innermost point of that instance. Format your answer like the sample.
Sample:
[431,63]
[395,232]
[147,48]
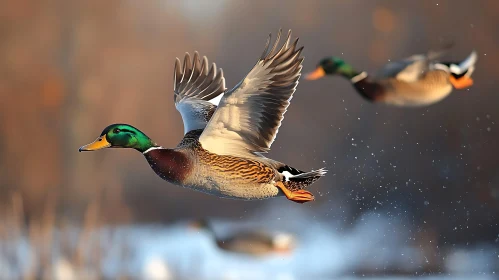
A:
[191,166]
[431,88]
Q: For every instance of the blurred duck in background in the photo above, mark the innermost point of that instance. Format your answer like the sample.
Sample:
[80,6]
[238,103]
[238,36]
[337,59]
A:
[258,243]
[222,149]
[415,81]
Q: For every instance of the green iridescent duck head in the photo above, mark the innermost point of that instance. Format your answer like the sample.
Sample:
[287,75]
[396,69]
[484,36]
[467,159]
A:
[331,66]
[120,136]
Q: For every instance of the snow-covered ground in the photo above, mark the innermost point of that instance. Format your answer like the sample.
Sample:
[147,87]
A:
[375,243]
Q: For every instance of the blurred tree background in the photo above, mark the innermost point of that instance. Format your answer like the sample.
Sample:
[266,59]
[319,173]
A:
[70,68]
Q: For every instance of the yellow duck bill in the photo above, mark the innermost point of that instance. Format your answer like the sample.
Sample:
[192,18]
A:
[316,74]
[99,143]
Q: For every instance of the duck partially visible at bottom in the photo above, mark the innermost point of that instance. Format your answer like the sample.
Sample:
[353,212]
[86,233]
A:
[258,243]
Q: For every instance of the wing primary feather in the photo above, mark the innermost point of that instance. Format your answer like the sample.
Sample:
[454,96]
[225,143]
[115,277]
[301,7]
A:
[209,79]
[184,69]
[190,84]
[177,75]
[187,61]
[203,69]
[215,86]
[187,72]
[211,82]
[195,71]
[283,48]
[278,38]
[288,58]
[195,64]
[264,54]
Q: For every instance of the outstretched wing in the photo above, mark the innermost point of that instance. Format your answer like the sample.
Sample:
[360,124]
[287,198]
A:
[412,68]
[249,116]
[197,90]
[408,69]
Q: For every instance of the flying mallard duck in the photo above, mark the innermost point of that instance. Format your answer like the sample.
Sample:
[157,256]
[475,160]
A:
[255,243]
[414,81]
[221,152]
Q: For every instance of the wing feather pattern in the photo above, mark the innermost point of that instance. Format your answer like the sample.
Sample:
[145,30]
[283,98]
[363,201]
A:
[249,116]
[412,68]
[196,89]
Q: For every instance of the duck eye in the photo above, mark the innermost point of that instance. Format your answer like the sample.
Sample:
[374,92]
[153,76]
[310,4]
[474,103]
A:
[116,130]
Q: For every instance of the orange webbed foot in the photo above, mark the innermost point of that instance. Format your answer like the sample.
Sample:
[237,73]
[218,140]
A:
[301,196]
[298,196]
[462,82]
